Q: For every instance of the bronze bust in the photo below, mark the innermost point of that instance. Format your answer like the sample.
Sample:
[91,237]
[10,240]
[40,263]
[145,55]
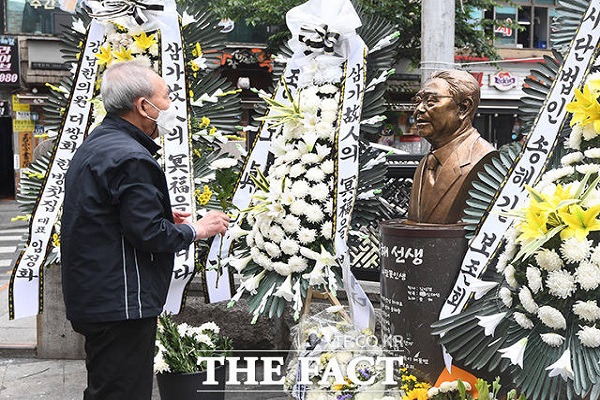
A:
[444,111]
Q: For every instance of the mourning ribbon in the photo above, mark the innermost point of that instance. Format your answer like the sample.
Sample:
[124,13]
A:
[318,39]
[119,8]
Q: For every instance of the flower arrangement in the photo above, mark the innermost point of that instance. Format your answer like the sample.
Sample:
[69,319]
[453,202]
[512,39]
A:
[284,239]
[178,346]
[330,338]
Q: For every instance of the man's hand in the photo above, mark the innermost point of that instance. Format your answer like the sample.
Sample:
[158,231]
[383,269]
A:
[212,223]
[182,217]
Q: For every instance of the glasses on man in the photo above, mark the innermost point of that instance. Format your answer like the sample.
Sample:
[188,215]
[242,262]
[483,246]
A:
[428,99]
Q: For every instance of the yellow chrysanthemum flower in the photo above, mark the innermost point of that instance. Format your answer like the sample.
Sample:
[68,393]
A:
[144,41]
[204,122]
[123,55]
[205,196]
[580,222]
[104,56]
[416,394]
[212,130]
[56,240]
[585,108]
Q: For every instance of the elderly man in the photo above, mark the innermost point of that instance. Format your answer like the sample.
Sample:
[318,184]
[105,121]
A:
[444,112]
[119,234]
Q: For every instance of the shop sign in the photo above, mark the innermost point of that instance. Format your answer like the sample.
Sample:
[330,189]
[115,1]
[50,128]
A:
[503,80]
[9,61]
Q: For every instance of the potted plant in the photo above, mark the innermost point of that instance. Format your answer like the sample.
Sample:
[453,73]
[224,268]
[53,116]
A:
[178,347]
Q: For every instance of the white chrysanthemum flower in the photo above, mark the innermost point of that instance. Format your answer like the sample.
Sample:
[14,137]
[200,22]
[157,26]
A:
[589,336]
[572,158]
[527,300]
[595,256]
[325,130]
[551,317]
[509,275]
[315,174]
[587,168]
[592,153]
[587,310]
[523,321]
[250,239]
[263,260]
[549,260]
[327,229]
[296,170]
[554,175]
[561,283]
[160,365]
[306,235]
[292,155]
[534,279]
[587,275]
[272,250]
[282,268]
[223,163]
[298,207]
[310,158]
[300,188]
[503,261]
[327,167]
[259,239]
[552,339]
[314,214]
[574,250]
[506,296]
[575,137]
[298,263]
[589,132]
[289,246]
[291,223]
[320,191]
[276,234]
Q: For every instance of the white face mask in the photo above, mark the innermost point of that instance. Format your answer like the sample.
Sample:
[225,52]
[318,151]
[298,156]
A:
[166,119]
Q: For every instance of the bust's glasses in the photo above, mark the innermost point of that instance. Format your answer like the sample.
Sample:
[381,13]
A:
[428,100]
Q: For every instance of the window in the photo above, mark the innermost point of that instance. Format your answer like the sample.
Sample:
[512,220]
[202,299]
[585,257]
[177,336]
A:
[534,18]
[37,17]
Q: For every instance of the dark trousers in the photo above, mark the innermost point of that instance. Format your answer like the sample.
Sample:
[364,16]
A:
[119,358]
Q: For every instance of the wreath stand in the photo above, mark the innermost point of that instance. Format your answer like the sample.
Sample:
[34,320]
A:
[324,295]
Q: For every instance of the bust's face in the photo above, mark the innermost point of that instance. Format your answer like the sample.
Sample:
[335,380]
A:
[437,115]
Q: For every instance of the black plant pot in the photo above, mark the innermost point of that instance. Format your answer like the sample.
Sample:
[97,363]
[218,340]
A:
[191,385]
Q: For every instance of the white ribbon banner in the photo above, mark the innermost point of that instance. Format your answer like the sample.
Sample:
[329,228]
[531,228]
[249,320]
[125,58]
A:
[26,289]
[540,144]
[361,309]
[177,157]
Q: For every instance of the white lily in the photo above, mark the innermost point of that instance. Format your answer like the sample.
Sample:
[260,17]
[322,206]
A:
[240,263]
[316,276]
[480,288]
[562,366]
[187,19]
[78,26]
[386,41]
[515,352]
[373,120]
[490,322]
[285,289]
[380,79]
[251,284]
[235,232]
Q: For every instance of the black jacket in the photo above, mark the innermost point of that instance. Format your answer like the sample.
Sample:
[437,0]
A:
[118,238]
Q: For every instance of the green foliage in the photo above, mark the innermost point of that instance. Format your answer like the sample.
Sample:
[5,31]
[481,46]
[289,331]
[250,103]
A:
[473,36]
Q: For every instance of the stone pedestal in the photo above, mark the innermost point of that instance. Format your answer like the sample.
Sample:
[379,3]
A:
[55,336]
[419,265]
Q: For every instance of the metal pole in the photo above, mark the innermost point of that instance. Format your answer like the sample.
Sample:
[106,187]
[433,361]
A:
[437,36]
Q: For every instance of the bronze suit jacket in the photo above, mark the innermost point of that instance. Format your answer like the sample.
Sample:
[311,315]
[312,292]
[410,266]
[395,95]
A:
[459,162]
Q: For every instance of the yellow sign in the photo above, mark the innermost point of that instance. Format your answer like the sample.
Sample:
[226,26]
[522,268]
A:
[25,149]
[23,125]
[16,106]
